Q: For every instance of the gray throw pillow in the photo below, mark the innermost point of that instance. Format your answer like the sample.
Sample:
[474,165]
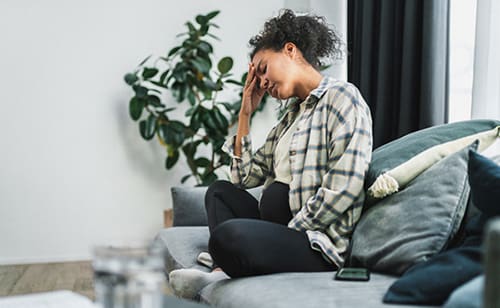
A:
[189,205]
[417,222]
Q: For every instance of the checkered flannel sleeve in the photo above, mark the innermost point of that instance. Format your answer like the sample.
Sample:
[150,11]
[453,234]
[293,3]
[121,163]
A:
[249,170]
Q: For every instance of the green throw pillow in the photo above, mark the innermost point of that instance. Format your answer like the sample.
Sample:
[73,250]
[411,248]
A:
[395,164]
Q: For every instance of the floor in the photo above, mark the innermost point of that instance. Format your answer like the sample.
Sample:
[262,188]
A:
[33,278]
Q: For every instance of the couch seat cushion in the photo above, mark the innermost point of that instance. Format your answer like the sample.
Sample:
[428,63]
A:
[182,245]
[297,290]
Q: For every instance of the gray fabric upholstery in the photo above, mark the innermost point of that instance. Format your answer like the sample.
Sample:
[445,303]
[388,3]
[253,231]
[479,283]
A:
[189,205]
[394,153]
[469,295]
[297,290]
[182,246]
[417,222]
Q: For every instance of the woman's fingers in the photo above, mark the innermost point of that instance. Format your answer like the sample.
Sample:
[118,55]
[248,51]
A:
[250,75]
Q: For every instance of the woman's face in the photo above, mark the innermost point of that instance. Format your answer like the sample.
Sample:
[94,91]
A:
[274,70]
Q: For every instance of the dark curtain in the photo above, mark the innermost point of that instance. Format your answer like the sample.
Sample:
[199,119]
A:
[398,58]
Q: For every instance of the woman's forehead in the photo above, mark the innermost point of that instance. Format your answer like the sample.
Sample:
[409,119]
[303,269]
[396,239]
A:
[261,55]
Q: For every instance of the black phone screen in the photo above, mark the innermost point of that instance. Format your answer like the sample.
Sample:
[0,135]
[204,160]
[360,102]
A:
[353,274]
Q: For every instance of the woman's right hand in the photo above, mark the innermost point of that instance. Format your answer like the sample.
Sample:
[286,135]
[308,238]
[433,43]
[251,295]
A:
[252,93]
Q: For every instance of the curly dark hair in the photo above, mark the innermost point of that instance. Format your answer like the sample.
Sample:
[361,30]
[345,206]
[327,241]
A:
[310,33]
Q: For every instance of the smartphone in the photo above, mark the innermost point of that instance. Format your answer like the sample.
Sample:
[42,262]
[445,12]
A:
[353,274]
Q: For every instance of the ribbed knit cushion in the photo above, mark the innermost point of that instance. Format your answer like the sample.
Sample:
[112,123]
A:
[396,163]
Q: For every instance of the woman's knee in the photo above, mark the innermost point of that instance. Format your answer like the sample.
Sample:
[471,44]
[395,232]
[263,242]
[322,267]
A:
[217,187]
[227,246]
[225,236]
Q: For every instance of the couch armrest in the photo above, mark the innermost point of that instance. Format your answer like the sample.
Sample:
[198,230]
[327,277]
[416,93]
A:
[189,205]
[492,264]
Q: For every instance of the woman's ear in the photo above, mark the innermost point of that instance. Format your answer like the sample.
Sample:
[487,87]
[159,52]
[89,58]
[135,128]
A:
[290,49]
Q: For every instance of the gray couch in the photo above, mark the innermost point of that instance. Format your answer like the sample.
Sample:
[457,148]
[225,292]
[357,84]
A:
[189,237]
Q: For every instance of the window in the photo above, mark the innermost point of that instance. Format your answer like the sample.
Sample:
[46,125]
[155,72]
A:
[461,59]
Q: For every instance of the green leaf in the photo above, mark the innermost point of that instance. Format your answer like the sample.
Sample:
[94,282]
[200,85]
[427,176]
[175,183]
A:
[202,162]
[225,65]
[236,82]
[130,79]
[221,120]
[191,111]
[136,106]
[147,127]
[172,158]
[209,121]
[190,148]
[203,29]
[192,29]
[213,36]
[201,19]
[201,65]
[212,14]
[155,101]
[140,91]
[172,133]
[144,61]
[210,84]
[205,47]
[191,98]
[208,179]
[228,106]
[158,84]
[149,72]
[195,123]
[163,76]
[185,178]
[173,51]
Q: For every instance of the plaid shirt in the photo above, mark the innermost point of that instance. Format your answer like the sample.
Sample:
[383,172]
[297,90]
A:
[329,155]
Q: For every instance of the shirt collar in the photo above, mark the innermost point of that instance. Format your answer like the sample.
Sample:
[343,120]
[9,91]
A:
[314,96]
[322,88]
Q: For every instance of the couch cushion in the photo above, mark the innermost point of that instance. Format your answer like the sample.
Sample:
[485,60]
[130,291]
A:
[395,164]
[189,205]
[297,290]
[417,222]
[182,246]
[469,295]
[484,179]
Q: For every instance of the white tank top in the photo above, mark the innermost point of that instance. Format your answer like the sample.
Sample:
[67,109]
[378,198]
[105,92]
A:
[282,151]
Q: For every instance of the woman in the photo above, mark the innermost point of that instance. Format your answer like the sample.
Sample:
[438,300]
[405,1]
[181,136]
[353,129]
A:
[312,164]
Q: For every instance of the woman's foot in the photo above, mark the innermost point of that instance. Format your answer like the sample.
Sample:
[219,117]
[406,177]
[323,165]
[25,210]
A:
[187,283]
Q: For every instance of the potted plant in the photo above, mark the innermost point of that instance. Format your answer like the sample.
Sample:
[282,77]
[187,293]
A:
[188,74]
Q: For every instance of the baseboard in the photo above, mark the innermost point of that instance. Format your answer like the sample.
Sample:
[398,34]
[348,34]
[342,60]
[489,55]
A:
[35,260]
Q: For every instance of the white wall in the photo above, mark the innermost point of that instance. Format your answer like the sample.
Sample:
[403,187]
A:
[74,171]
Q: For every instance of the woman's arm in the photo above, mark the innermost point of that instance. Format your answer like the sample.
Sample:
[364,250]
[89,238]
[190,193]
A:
[252,96]
[349,154]
[247,169]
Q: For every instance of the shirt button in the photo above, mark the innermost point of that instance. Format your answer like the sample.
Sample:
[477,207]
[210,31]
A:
[293,153]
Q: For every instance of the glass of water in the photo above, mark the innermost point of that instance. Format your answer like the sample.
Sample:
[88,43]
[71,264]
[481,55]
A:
[128,277]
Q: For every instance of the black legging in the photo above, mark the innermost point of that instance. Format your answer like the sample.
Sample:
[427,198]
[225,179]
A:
[248,239]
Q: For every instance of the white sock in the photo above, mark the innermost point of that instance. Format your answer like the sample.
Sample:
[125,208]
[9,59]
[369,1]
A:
[188,282]
[205,258]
